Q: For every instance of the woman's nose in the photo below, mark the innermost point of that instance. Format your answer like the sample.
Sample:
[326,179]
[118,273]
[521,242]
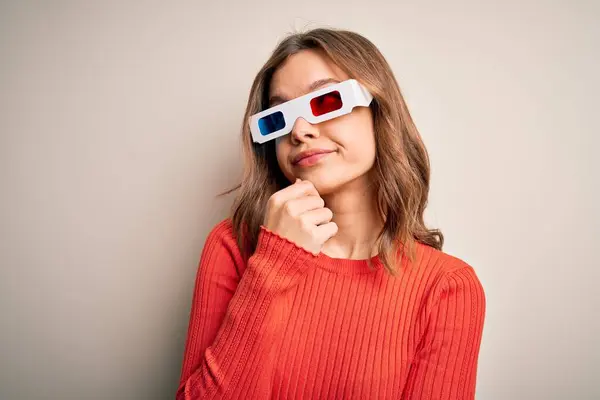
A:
[303,130]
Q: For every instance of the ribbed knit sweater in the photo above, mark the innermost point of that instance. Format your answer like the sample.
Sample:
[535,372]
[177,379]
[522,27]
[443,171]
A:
[288,324]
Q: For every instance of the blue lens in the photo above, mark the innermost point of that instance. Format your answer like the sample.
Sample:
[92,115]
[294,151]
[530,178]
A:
[271,123]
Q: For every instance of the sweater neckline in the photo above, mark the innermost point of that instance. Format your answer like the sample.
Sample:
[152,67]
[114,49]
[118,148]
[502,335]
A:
[348,266]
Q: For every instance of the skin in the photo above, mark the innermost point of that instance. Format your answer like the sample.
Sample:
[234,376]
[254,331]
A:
[342,177]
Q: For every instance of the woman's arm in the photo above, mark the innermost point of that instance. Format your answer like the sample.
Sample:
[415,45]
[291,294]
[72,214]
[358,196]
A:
[233,321]
[445,366]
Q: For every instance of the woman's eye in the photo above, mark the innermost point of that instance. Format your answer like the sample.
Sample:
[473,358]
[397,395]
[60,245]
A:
[326,103]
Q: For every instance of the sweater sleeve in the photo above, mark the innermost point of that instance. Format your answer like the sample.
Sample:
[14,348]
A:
[234,317]
[445,365]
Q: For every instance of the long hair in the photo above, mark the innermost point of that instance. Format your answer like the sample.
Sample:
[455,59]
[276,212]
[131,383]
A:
[401,171]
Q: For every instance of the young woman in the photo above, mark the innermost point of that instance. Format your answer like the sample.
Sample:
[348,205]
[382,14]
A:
[325,282]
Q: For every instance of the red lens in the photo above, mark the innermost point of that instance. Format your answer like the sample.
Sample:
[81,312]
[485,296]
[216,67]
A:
[326,103]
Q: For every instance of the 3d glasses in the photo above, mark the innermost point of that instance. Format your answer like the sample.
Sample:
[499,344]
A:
[319,106]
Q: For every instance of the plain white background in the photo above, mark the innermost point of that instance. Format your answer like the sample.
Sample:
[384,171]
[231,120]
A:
[120,123]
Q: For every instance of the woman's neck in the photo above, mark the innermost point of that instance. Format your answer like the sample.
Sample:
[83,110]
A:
[355,213]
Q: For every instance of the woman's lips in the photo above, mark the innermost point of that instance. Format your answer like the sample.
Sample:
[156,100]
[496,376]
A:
[312,160]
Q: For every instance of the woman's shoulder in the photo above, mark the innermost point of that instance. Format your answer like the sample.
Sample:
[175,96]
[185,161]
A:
[445,261]
[451,283]
[223,228]
[442,265]
[221,233]
[221,243]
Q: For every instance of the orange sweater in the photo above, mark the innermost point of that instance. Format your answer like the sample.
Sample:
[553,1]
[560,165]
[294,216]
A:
[291,325]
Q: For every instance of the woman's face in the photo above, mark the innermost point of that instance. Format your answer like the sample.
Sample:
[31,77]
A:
[349,139]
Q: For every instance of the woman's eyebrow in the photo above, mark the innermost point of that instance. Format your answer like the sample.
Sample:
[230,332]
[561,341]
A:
[278,99]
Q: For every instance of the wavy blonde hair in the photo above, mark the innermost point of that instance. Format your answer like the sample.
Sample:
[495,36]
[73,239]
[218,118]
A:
[401,171]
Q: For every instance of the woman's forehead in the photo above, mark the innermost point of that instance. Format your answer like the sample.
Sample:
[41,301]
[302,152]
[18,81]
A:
[299,73]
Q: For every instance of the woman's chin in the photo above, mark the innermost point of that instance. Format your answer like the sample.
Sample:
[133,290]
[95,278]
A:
[326,182]
[323,185]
